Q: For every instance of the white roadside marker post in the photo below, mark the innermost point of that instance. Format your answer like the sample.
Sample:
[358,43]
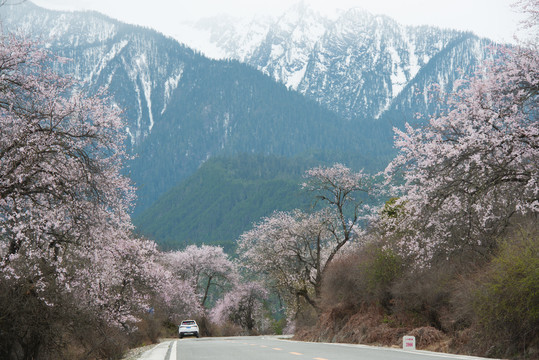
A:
[408,342]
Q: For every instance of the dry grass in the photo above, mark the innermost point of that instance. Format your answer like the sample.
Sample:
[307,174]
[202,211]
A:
[370,326]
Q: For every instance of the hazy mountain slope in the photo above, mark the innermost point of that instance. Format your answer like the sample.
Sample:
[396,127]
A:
[181,107]
[227,108]
[140,67]
[227,195]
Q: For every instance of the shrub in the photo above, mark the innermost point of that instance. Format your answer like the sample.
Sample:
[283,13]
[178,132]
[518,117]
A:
[507,302]
[343,282]
[278,326]
[381,268]
[424,294]
[362,277]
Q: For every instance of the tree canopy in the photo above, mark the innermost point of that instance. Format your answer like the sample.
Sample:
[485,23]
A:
[475,166]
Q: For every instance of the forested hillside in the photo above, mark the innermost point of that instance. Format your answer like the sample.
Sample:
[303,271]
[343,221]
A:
[227,108]
[223,198]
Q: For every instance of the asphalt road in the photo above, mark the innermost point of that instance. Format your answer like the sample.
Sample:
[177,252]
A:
[273,348]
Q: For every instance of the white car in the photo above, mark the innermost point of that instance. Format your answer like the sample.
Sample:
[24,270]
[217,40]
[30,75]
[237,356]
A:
[188,327]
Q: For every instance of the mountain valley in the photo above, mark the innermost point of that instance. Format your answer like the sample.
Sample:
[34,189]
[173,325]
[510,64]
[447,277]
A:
[300,88]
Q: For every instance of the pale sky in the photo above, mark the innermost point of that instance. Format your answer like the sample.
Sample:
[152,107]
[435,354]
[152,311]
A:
[494,19]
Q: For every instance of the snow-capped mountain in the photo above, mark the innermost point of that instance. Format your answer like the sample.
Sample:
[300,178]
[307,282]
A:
[356,64]
[285,50]
[141,69]
[230,37]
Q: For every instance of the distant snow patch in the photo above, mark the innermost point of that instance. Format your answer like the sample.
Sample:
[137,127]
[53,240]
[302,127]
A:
[170,85]
[113,52]
[295,78]
[143,68]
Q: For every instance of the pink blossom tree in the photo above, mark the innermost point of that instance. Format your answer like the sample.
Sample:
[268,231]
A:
[294,249]
[337,187]
[65,229]
[60,157]
[474,167]
[203,267]
[175,296]
[243,306]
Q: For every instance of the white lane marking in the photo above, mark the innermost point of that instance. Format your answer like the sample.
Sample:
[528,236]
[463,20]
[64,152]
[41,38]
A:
[173,351]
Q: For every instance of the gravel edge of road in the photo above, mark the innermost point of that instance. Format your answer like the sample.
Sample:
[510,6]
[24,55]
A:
[135,353]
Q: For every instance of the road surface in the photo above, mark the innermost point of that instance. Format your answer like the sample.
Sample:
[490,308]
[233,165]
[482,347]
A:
[274,348]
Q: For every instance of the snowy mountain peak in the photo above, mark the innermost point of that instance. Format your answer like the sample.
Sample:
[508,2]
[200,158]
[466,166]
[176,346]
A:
[355,63]
[298,13]
[226,36]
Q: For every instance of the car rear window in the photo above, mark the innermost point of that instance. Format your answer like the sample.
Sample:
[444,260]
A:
[188,322]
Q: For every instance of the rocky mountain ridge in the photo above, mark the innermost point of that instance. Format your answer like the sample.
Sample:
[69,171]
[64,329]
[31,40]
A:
[356,64]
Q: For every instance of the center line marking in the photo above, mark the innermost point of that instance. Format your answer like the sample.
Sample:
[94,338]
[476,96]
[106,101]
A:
[295,353]
[320,359]
[276,348]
